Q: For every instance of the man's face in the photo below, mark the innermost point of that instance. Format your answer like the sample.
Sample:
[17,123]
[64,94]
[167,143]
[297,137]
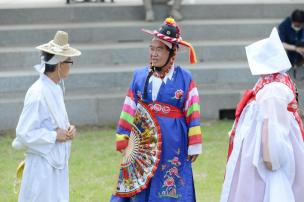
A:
[159,53]
[297,25]
[64,67]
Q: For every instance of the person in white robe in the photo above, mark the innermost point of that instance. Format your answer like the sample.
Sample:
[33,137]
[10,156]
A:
[43,130]
[266,150]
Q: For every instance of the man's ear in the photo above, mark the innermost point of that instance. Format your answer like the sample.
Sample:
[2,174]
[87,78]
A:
[58,67]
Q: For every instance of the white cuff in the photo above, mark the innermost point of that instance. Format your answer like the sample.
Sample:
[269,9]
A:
[195,149]
[53,137]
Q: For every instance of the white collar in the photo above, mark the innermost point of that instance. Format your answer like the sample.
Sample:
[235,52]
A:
[45,79]
[48,80]
[168,76]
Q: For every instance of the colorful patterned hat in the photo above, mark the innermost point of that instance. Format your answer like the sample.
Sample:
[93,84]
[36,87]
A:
[170,32]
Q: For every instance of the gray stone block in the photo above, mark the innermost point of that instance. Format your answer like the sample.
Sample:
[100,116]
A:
[105,13]
[92,33]
[212,103]
[107,81]
[10,112]
[103,110]
[121,54]
[111,41]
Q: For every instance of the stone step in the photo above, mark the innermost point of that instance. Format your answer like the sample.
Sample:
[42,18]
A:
[100,109]
[20,58]
[106,32]
[117,78]
[121,12]
[111,41]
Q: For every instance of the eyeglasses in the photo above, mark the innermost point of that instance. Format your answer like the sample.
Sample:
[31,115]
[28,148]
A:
[68,62]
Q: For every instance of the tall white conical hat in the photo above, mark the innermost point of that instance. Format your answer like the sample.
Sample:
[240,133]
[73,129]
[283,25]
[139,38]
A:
[267,56]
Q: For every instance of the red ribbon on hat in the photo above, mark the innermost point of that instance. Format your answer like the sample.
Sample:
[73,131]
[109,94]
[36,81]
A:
[192,54]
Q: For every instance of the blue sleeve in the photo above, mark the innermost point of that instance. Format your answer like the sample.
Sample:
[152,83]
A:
[283,30]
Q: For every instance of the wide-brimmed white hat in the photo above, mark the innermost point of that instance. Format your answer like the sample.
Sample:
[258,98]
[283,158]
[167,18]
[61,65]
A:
[60,46]
[268,56]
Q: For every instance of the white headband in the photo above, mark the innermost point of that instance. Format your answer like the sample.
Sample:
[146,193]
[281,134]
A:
[53,61]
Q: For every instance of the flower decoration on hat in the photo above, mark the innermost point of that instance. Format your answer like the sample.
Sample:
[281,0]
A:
[171,32]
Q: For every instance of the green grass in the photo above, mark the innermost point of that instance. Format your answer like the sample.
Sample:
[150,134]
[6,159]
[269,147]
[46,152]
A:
[94,164]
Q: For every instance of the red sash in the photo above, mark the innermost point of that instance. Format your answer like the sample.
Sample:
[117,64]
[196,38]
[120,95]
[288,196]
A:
[249,95]
[165,110]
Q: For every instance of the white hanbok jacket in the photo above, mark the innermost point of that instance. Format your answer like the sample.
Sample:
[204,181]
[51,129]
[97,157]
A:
[247,179]
[45,177]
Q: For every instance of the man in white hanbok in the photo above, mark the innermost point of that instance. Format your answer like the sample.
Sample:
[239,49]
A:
[266,150]
[44,130]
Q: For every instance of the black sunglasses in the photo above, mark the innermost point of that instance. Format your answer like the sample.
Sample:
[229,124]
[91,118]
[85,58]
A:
[69,62]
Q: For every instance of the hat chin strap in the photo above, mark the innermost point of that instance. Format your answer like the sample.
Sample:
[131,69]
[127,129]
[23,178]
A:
[171,53]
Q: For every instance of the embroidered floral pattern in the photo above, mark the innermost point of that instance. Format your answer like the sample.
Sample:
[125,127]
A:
[178,94]
[175,161]
[172,178]
[274,78]
[158,107]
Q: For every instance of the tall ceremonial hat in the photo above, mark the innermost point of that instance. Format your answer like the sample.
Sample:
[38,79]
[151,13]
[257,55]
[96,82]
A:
[268,56]
[59,46]
[170,33]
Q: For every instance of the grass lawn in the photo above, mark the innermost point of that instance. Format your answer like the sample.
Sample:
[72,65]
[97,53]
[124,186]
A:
[94,164]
